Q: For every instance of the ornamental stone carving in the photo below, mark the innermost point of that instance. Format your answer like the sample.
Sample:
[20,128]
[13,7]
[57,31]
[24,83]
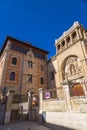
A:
[30,54]
[72,66]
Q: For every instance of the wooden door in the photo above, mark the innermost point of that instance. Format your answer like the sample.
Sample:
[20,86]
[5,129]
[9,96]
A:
[77,90]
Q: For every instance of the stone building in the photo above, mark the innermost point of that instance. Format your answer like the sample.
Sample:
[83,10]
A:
[67,77]
[22,66]
[69,65]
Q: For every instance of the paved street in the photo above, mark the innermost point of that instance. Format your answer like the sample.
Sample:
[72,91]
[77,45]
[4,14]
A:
[30,125]
[23,125]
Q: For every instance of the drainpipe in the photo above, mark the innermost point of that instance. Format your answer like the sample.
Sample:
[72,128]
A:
[21,75]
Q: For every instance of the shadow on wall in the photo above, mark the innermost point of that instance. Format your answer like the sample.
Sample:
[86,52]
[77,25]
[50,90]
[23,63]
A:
[56,127]
[51,74]
[42,120]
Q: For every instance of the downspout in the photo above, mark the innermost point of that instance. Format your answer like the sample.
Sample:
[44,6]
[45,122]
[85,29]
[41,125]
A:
[21,74]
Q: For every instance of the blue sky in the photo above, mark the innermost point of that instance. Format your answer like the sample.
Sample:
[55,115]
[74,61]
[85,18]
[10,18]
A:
[40,21]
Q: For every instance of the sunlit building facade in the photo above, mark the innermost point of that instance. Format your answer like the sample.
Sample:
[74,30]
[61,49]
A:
[69,66]
[23,67]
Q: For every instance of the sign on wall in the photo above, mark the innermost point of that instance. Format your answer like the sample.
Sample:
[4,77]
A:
[47,95]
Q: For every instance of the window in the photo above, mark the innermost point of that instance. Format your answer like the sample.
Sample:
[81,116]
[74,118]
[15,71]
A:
[12,76]
[42,57]
[58,47]
[14,60]
[41,81]
[63,43]
[29,78]
[39,55]
[68,39]
[30,64]
[16,48]
[74,35]
[41,67]
[51,75]
[12,47]
[19,49]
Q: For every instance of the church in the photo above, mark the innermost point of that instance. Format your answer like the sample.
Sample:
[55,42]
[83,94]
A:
[69,66]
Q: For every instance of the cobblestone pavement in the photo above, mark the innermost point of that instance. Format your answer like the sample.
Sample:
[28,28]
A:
[23,125]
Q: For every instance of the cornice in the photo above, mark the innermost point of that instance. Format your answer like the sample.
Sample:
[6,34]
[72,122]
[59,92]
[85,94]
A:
[75,25]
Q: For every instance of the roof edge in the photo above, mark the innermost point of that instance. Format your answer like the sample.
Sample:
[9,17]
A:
[9,37]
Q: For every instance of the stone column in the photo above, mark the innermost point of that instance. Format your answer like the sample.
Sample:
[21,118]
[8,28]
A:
[40,104]
[71,40]
[30,105]
[80,34]
[67,94]
[8,107]
[84,34]
[29,99]
[84,84]
[77,32]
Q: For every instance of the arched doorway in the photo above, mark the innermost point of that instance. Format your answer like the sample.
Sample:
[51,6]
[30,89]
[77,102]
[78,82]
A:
[77,90]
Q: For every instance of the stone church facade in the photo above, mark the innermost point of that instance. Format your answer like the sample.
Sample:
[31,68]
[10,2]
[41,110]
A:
[69,65]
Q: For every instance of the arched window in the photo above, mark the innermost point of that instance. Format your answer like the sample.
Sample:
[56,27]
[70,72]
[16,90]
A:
[63,43]
[41,80]
[74,35]
[12,76]
[68,39]
[14,61]
[58,47]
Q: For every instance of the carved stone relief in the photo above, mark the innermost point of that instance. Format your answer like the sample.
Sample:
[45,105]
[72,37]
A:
[30,54]
[72,66]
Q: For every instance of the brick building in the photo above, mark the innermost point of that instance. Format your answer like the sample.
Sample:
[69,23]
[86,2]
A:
[22,66]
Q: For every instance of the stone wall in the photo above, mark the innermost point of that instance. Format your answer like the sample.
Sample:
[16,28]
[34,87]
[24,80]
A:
[54,105]
[69,104]
[79,104]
